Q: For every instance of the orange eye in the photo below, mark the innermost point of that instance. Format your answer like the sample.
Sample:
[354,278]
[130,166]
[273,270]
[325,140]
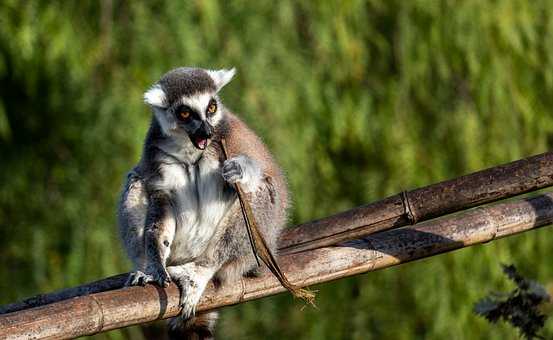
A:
[185,114]
[212,107]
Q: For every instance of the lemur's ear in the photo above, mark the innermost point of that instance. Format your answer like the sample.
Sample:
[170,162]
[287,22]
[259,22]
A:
[221,77]
[155,97]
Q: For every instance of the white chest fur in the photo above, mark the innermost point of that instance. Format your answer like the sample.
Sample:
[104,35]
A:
[200,202]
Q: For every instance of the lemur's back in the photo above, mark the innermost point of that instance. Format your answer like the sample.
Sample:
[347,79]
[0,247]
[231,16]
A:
[242,140]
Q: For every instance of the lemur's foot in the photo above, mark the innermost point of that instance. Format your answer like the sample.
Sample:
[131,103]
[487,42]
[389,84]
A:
[244,170]
[190,291]
[254,272]
[158,276]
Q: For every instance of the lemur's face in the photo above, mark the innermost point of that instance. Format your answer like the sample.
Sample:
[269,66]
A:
[185,102]
[196,116]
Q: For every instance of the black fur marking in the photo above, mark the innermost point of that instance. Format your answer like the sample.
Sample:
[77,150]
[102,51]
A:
[271,188]
[181,108]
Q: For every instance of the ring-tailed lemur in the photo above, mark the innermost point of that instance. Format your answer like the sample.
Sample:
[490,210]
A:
[179,215]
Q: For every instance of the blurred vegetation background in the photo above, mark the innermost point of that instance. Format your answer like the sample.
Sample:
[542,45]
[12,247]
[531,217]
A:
[357,99]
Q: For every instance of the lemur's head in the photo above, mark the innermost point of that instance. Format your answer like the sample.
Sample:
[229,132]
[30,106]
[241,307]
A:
[185,101]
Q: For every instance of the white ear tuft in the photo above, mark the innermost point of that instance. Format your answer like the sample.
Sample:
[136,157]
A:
[221,77]
[155,96]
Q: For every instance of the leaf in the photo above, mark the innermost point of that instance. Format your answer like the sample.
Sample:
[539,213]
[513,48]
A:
[518,307]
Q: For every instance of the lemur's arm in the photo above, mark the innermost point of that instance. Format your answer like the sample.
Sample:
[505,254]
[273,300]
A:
[158,235]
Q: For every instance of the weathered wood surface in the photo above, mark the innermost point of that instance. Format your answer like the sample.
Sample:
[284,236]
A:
[99,312]
[422,204]
[109,283]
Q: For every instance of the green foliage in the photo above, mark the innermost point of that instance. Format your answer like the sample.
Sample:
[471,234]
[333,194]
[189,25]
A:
[520,307]
[357,99]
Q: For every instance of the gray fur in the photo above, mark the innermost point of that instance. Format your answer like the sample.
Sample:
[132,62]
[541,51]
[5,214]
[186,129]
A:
[179,216]
[185,81]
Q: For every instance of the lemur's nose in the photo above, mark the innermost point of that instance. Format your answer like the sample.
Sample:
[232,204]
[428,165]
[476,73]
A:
[207,129]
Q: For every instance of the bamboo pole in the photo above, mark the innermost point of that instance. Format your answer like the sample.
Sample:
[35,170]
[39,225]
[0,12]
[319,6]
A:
[422,204]
[481,187]
[104,311]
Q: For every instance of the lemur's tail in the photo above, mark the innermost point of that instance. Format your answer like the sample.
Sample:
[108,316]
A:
[199,327]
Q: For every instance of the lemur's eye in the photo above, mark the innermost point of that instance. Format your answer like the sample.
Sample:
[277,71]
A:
[185,114]
[212,108]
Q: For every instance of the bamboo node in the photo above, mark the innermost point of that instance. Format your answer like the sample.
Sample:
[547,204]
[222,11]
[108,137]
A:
[242,289]
[407,208]
[101,310]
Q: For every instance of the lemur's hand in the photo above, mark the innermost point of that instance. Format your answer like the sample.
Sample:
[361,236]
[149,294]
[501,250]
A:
[244,170]
[156,274]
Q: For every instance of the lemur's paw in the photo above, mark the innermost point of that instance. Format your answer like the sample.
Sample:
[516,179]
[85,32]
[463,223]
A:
[158,276]
[190,292]
[138,278]
[244,170]
[232,170]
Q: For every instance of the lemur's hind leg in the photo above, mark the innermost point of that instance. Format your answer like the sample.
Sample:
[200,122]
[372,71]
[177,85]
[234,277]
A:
[192,279]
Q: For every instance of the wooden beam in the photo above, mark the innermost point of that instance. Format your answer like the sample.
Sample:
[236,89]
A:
[90,314]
